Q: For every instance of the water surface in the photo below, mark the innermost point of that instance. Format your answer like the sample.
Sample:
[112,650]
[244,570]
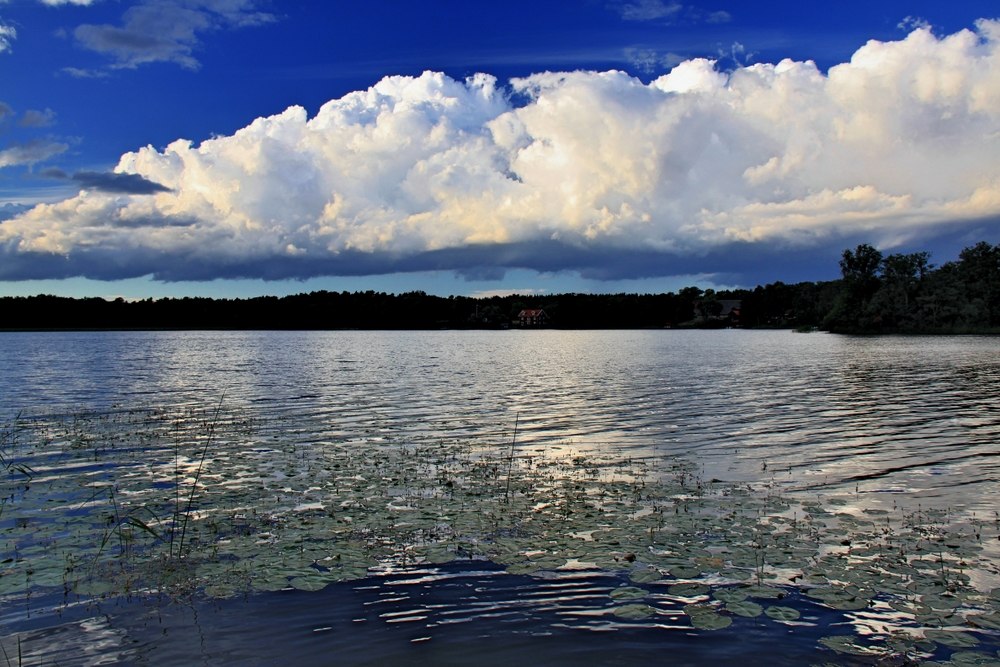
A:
[880,422]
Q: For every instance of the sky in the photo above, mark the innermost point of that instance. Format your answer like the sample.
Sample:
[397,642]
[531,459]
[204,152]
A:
[243,147]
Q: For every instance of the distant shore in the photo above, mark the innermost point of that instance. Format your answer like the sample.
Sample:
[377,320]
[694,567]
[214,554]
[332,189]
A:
[894,294]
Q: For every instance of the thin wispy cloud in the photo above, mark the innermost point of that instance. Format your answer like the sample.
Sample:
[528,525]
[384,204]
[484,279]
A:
[78,73]
[651,60]
[30,153]
[596,172]
[648,10]
[56,3]
[166,30]
[33,118]
[667,12]
[913,23]
[7,35]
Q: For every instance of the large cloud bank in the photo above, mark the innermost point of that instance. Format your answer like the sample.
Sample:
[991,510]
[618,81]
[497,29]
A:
[594,171]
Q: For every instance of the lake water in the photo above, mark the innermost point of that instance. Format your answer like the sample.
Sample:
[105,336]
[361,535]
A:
[877,425]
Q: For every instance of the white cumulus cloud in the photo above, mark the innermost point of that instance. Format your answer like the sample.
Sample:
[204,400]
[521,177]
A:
[428,172]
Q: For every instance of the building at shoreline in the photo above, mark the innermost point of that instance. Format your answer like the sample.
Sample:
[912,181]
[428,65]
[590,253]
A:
[534,317]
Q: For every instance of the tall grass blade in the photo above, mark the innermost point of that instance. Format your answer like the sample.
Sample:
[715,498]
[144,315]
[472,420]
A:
[510,460]
[201,464]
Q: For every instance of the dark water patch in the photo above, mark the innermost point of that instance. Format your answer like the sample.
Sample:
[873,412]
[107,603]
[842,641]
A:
[458,613]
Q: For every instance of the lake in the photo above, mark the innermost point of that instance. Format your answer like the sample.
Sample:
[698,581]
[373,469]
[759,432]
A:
[536,497]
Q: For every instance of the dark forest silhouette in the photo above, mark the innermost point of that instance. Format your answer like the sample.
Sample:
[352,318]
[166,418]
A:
[877,294]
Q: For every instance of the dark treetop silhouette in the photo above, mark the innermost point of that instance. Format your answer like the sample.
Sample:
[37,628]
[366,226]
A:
[877,294]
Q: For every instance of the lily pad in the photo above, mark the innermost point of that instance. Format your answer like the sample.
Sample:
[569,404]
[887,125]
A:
[688,590]
[990,621]
[220,592]
[908,607]
[508,559]
[697,609]
[730,594]
[645,576]
[629,593]
[906,643]
[764,592]
[952,638]
[526,567]
[711,621]
[927,588]
[891,587]
[849,645]
[830,594]
[941,601]
[685,572]
[309,583]
[971,659]
[323,517]
[856,604]
[745,608]
[782,613]
[940,619]
[350,574]
[269,584]
[439,556]
[550,563]
[634,611]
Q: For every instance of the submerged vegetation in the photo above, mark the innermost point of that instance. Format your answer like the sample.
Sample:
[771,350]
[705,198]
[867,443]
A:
[219,503]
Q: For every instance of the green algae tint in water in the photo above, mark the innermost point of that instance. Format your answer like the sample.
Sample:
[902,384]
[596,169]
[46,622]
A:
[175,502]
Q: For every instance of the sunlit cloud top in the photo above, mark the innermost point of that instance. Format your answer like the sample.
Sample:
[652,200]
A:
[579,169]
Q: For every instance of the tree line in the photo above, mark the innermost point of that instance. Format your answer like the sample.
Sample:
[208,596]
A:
[899,293]
[906,293]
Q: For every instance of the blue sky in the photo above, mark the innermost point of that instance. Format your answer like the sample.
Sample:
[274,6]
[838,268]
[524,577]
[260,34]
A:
[84,83]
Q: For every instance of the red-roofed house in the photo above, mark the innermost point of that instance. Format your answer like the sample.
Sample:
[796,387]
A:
[535,317]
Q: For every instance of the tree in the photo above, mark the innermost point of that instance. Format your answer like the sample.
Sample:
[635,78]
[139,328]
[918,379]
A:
[979,272]
[895,302]
[710,305]
[859,269]
[688,297]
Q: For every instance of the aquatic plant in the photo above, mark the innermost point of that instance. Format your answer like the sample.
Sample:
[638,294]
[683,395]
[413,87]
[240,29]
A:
[10,464]
[182,502]
[20,657]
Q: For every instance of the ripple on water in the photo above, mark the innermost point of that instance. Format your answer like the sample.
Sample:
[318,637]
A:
[879,422]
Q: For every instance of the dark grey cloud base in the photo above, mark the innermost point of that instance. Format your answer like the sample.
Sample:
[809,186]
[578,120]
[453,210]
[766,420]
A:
[743,264]
[129,184]
[108,181]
